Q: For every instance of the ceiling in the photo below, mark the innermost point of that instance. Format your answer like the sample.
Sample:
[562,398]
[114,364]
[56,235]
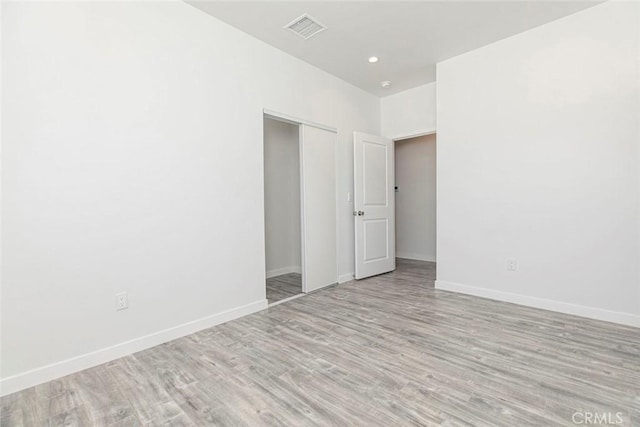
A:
[408,37]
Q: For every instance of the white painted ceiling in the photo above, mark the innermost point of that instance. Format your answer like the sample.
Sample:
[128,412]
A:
[408,37]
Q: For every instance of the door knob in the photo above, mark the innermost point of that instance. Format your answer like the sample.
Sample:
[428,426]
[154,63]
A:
[360,213]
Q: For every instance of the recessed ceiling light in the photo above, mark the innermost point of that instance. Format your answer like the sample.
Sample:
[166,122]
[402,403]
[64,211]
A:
[385,84]
[373,59]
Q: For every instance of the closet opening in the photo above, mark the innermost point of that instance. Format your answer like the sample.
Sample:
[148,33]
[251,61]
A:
[300,206]
[282,210]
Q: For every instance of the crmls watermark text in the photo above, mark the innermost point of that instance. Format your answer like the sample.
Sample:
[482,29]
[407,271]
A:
[595,418]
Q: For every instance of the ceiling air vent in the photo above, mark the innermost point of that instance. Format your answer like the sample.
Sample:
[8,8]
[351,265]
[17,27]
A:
[305,26]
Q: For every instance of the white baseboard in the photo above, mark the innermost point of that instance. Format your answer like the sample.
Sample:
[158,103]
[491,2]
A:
[416,257]
[343,278]
[37,376]
[284,270]
[628,319]
[273,304]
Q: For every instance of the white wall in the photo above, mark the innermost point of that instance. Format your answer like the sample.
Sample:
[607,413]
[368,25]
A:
[416,198]
[281,197]
[132,161]
[538,160]
[409,113]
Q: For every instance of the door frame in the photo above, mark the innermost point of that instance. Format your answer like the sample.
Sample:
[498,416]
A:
[287,118]
[270,114]
[413,135]
[393,139]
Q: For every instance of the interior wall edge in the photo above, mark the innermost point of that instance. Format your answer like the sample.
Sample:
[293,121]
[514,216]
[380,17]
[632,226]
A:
[344,278]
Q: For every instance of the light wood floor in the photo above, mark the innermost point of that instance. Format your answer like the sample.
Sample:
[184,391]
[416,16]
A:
[283,287]
[385,351]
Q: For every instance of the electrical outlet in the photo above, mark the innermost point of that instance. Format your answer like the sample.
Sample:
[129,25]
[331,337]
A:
[511,264]
[122,301]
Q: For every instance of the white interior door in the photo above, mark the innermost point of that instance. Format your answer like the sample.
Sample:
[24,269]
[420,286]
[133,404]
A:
[319,221]
[374,204]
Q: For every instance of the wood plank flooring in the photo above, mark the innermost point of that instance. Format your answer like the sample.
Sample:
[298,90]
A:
[385,351]
[283,287]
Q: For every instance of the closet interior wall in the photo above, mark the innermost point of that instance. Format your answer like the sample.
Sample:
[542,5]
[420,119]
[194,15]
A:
[282,197]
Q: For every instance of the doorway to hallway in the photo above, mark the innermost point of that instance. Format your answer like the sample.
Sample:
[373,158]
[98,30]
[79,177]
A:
[415,197]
